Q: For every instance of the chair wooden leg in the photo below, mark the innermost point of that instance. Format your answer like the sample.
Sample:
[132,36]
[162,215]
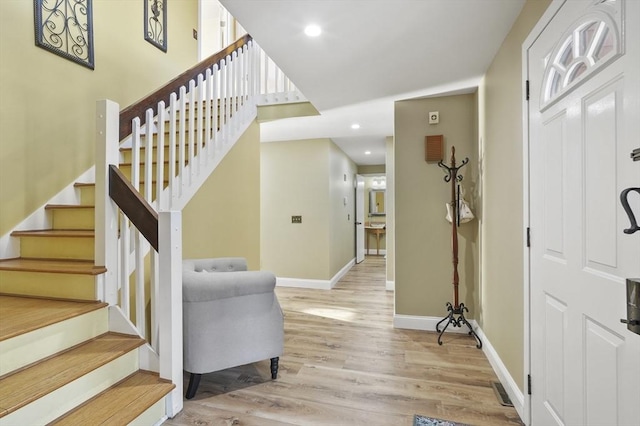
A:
[274,367]
[194,381]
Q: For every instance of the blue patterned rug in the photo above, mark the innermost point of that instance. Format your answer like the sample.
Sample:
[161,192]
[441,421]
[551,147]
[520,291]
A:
[431,421]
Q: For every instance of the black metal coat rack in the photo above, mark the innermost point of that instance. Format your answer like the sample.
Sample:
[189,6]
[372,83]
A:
[456,310]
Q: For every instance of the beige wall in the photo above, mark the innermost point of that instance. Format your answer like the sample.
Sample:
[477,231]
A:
[277,112]
[47,103]
[306,178]
[501,151]
[342,232]
[423,269]
[390,233]
[377,168]
[223,218]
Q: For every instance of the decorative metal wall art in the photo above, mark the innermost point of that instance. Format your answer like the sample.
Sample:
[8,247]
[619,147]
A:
[65,27]
[155,23]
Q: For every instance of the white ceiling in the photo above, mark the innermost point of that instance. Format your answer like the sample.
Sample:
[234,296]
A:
[370,54]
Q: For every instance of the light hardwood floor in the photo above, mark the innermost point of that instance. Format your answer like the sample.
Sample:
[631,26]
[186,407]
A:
[345,364]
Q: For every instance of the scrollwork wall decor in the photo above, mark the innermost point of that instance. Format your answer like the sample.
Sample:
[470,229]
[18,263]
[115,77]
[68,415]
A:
[155,23]
[65,27]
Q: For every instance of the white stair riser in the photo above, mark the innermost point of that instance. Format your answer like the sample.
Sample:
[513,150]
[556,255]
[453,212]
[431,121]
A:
[152,416]
[30,347]
[55,404]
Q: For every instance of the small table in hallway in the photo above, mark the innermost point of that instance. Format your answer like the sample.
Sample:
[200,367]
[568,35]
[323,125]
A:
[377,231]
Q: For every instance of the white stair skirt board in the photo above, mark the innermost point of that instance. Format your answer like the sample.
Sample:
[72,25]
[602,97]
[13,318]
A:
[148,358]
[281,98]
[317,284]
[40,219]
[412,322]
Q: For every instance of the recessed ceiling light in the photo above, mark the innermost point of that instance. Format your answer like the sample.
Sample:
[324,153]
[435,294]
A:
[355,126]
[312,30]
[367,153]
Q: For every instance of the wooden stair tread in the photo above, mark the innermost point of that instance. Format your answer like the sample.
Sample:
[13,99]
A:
[84,267]
[75,233]
[20,315]
[120,404]
[29,384]
[68,206]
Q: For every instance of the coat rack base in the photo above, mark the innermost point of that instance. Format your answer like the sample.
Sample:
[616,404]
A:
[451,319]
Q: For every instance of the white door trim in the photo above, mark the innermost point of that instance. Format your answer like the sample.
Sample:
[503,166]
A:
[531,38]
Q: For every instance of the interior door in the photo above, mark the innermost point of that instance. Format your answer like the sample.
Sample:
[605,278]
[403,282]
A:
[360,243]
[584,121]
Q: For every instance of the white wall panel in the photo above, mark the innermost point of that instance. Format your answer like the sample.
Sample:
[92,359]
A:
[554,212]
[554,335]
[601,349]
[600,194]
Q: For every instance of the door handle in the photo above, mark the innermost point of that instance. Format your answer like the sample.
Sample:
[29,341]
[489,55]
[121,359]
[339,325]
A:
[358,223]
[633,306]
[627,208]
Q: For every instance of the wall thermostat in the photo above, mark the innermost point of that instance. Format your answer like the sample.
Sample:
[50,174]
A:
[434,117]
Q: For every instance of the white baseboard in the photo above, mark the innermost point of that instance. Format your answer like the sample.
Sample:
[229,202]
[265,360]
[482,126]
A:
[373,252]
[316,284]
[303,283]
[391,285]
[342,272]
[510,386]
[412,322]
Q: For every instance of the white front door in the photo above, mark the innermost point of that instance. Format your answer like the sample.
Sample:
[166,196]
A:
[360,243]
[584,122]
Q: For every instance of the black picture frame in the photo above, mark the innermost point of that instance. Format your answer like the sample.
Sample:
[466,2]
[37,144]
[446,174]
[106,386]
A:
[65,27]
[155,23]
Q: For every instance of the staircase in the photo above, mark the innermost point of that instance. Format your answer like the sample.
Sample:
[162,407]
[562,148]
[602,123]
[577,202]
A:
[75,347]
[59,363]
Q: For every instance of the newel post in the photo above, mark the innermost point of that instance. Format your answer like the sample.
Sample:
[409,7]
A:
[106,211]
[170,305]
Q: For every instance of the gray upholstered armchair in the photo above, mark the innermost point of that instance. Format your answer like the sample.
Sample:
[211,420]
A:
[231,317]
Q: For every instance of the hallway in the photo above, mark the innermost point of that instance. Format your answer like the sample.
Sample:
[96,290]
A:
[345,364]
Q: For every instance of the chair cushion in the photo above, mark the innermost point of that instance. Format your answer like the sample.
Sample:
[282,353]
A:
[218,264]
[206,286]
